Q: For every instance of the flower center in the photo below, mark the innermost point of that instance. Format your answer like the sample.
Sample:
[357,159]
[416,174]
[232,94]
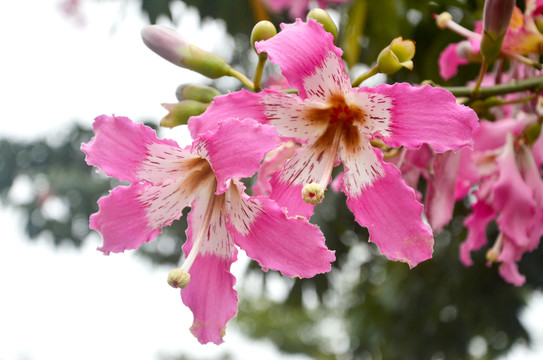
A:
[342,120]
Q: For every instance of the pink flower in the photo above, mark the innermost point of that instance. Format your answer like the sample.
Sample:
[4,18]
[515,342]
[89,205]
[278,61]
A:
[335,123]
[297,8]
[165,179]
[509,190]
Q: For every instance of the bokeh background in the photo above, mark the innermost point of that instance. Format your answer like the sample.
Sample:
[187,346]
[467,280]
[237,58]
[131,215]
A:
[65,62]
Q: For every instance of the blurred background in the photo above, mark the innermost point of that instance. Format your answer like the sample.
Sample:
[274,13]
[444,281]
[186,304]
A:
[65,62]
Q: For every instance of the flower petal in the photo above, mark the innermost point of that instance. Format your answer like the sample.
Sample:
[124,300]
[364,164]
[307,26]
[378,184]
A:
[236,149]
[393,217]
[130,151]
[291,245]
[240,105]
[131,215]
[449,60]
[273,162]
[210,294]
[476,223]
[509,256]
[426,115]
[440,194]
[308,59]
[211,297]
[513,199]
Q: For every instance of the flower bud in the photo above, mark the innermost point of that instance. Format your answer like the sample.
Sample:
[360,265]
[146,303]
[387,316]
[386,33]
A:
[171,46]
[263,30]
[396,56]
[180,113]
[496,18]
[201,93]
[322,17]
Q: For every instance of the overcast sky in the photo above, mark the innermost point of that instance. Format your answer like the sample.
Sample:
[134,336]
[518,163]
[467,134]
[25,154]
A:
[63,303]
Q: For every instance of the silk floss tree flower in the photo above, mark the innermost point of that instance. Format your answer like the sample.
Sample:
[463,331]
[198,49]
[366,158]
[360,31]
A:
[166,178]
[335,123]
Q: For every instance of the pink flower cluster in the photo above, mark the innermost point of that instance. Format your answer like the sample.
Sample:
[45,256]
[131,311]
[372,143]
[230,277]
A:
[302,137]
[501,175]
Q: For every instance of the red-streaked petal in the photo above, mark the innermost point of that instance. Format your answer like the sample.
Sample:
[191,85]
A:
[308,59]
[426,115]
[210,294]
[131,215]
[130,151]
[388,208]
[291,245]
[362,167]
[236,149]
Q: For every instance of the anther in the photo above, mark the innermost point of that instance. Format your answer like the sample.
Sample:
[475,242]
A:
[313,193]
[178,278]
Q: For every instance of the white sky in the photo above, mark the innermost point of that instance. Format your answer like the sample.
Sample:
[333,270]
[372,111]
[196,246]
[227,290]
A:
[63,303]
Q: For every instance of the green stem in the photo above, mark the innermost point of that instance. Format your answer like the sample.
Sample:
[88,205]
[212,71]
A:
[482,73]
[501,89]
[244,79]
[374,70]
[259,69]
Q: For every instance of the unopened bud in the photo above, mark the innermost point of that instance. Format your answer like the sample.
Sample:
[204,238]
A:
[322,17]
[180,113]
[178,278]
[263,30]
[532,132]
[201,93]
[313,193]
[496,18]
[171,46]
[397,55]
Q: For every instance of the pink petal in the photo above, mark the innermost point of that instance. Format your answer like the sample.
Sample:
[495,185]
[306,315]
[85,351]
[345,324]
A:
[239,105]
[492,135]
[210,294]
[476,224]
[393,217]
[291,245]
[308,59]
[362,167]
[513,199]
[273,162]
[440,195]
[211,297]
[449,60]
[467,175]
[306,166]
[537,150]
[426,115]
[236,149]
[508,269]
[532,176]
[126,150]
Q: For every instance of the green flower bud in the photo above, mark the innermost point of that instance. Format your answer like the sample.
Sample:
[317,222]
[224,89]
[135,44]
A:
[496,18]
[171,46]
[396,56]
[180,113]
[532,132]
[263,30]
[322,17]
[201,93]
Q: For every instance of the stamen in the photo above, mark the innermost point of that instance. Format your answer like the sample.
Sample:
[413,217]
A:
[444,20]
[179,278]
[313,193]
[493,253]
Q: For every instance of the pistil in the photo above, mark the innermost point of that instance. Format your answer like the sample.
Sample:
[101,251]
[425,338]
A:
[180,277]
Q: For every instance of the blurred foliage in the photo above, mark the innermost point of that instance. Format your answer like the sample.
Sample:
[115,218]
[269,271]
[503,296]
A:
[366,307]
